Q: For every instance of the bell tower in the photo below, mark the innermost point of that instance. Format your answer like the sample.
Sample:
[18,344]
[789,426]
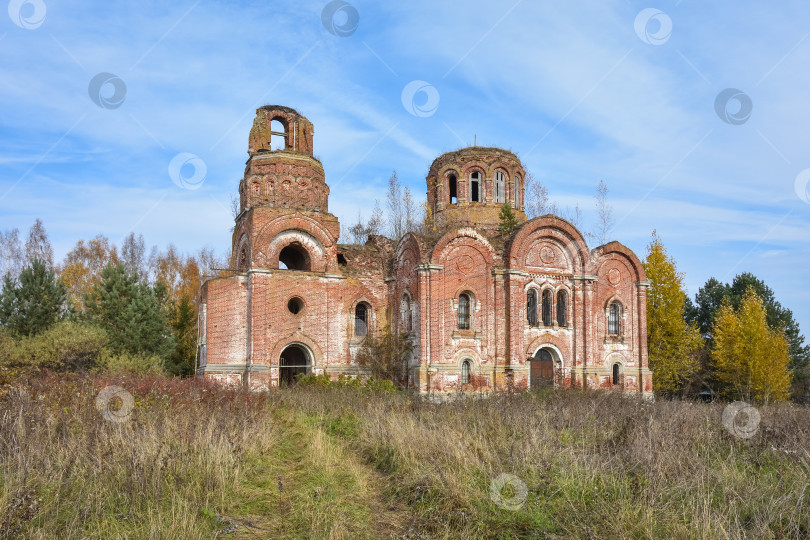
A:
[282,179]
[281,170]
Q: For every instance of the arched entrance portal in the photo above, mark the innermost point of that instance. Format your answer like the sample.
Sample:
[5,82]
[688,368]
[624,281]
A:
[542,369]
[295,359]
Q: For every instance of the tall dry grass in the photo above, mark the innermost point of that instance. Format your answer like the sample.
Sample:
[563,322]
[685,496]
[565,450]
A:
[192,461]
[596,465]
[66,471]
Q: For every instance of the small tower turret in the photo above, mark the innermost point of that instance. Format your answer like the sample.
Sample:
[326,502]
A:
[469,186]
[282,170]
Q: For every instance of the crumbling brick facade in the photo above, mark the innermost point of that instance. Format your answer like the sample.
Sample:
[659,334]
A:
[484,310]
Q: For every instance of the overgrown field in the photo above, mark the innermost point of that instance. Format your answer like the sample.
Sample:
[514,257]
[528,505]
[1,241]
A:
[194,461]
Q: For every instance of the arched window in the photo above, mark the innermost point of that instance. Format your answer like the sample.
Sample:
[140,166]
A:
[615,319]
[616,374]
[452,188]
[517,191]
[475,187]
[547,299]
[465,372]
[464,304]
[294,257]
[562,308]
[361,319]
[278,136]
[500,187]
[531,307]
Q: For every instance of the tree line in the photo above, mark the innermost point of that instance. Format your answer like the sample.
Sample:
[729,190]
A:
[735,340]
[101,307]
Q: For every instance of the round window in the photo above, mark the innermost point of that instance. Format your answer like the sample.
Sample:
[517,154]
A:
[295,305]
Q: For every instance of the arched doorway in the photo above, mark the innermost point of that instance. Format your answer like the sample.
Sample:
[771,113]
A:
[541,372]
[295,359]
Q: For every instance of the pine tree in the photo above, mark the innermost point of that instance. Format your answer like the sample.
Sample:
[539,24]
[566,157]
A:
[671,341]
[134,314]
[751,358]
[33,304]
[508,219]
[184,328]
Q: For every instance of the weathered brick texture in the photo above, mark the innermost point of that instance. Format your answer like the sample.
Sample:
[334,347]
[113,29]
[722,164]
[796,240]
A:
[255,323]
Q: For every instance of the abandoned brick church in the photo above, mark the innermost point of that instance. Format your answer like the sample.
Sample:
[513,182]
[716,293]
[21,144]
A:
[484,311]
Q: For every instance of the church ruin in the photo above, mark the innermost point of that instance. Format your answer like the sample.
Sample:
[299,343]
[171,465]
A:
[484,310]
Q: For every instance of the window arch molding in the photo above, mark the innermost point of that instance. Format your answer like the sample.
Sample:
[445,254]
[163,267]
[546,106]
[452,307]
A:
[615,310]
[475,194]
[499,183]
[562,308]
[547,306]
[533,293]
[465,309]
[355,324]
[452,181]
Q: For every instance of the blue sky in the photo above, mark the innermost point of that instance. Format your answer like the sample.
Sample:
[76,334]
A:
[581,91]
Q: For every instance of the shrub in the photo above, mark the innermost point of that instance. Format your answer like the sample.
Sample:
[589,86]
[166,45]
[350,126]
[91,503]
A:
[66,346]
[133,364]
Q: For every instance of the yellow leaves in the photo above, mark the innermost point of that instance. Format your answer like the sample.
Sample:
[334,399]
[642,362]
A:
[751,359]
[671,342]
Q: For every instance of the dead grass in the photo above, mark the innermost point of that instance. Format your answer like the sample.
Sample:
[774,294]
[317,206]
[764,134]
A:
[192,461]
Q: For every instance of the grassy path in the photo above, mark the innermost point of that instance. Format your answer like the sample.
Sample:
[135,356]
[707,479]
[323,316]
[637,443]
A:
[312,486]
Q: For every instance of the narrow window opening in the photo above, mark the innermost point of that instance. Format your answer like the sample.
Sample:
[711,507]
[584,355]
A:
[464,312]
[615,319]
[465,372]
[407,319]
[562,308]
[475,181]
[517,191]
[500,187]
[361,320]
[547,307]
[278,136]
[531,307]
[616,374]
[341,260]
[452,187]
